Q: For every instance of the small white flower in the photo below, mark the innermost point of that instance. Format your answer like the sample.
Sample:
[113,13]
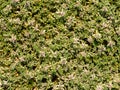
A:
[42,53]
[77,3]
[5,82]
[31,22]
[75,40]
[71,19]
[110,17]
[7,8]
[105,9]
[63,61]
[99,87]
[105,24]
[30,74]
[91,30]
[49,41]
[90,39]
[93,76]
[97,35]
[86,71]
[111,43]
[95,1]
[22,59]
[116,78]
[64,6]
[55,53]
[118,31]
[0,83]
[83,45]
[71,77]
[61,12]
[26,33]
[36,27]
[46,67]
[110,85]
[83,53]
[101,48]
[15,21]
[58,87]
[1,20]
[14,53]
[42,32]
[107,31]
[13,38]
[27,4]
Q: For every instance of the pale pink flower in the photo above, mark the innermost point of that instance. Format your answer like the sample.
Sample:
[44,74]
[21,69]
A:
[99,87]
[83,45]
[22,59]
[13,38]
[15,20]
[118,31]
[63,61]
[76,40]
[91,30]
[101,48]
[90,39]
[104,24]
[61,12]
[83,53]
[72,76]
[5,82]
[105,9]
[26,33]
[31,22]
[42,32]
[42,53]
[97,35]
[36,27]
[111,43]
[7,8]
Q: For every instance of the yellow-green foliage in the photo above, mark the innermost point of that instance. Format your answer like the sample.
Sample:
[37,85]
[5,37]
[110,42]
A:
[59,44]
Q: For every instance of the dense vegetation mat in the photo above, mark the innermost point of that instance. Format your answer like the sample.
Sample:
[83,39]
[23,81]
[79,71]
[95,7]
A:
[59,44]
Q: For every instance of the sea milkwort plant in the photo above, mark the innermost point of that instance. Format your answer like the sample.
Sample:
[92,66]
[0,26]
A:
[59,44]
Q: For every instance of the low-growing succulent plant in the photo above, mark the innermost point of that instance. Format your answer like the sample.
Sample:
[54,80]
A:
[59,45]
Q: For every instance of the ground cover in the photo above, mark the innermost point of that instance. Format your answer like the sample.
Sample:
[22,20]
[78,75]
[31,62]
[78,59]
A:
[59,44]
